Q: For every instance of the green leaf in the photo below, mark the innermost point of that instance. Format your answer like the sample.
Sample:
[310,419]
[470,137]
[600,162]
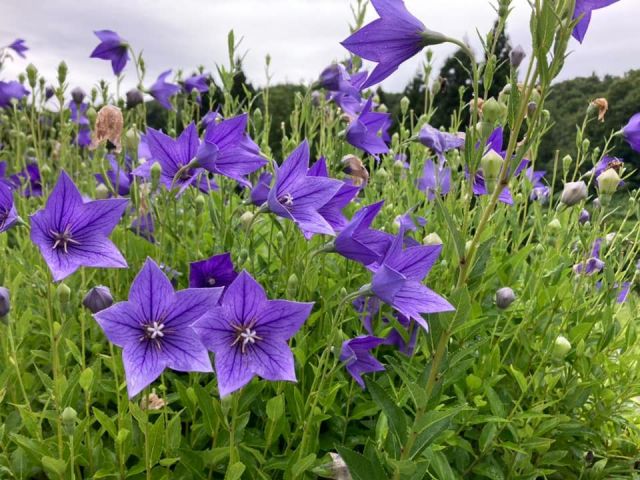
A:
[517,374]
[54,465]
[106,423]
[86,379]
[235,471]
[395,415]
[302,465]
[275,408]
[455,234]
[360,467]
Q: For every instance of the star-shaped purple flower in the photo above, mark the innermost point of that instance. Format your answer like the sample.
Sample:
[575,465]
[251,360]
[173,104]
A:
[216,271]
[199,83]
[369,131]
[10,91]
[162,90]
[356,354]
[248,333]
[19,46]
[583,11]
[153,327]
[8,215]
[298,196]
[390,40]
[72,233]
[398,280]
[436,179]
[439,142]
[113,48]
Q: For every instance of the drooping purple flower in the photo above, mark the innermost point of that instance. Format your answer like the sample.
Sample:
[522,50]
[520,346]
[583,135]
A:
[199,83]
[335,78]
[153,327]
[298,196]
[8,214]
[71,233]
[631,131]
[119,177]
[607,162]
[19,46]
[83,138]
[623,293]
[410,223]
[357,357]
[584,216]
[28,181]
[162,90]
[10,91]
[435,180]
[144,227]
[260,191]
[79,113]
[439,142]
[358,242]
[583,11]
[112,48]
[389,40]
[344,88]
[398,280]
[216,271]
[173,154]
[539,192]
[248,333]
[369,131]
[593,264]
[228,150]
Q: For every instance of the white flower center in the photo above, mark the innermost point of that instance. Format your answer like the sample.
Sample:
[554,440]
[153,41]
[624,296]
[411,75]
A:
[155,330]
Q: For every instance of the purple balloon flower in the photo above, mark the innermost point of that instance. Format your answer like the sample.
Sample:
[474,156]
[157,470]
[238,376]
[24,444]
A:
[436,179]
[19,47]
[72,233]
[10,91]
[390,40]
[162,90]
[631,131]
[359,242]
[79,113]
[113,48]
[593,264]
[606,163]
[298,196]
[439,142]
[153,327]
[260,191]
[369,131]
[120,178]
[8,215]
[583,11]
[228,150]
[356,354]
[173,154]
[216,271]
[248,333]
[144,227]
[198,83]
[398,280]
[28,181]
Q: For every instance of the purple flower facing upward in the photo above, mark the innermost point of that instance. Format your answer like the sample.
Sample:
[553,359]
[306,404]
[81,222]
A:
[357,357]
[11,91]
[162,90]
[260,191]
[112,48]
[216,271]
[631,131]
[439,142]
[369,131]
[298,196]
[153,327]
[19,47]
[358,242]
[398,280]
[8,215]
[228,150]
[390,40]
[72,233]
[249,334]
[436,179]
[172,155]
[583,11]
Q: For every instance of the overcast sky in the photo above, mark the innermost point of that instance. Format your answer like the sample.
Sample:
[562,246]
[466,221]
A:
[302,36]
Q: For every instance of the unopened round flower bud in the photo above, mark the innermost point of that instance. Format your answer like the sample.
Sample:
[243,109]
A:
[573,193]
[5,302]
[64,293]
[77,95]
[586,143]
[156,171]
[292,285]
[584,217]
[432,239]
[382,173]
[554,225]
[32,75]
[398,165]
[531,108]
[561,347]
[246,219]
[505,297]
[102,192]
[92,114]
[493,111]
[134,98]
[596,203]
[491,165]
[473,382]
[69,418]
[566,163]
[200,203]
[62,72]
[97,299]
[516,56]
[132,139]
[404,105]
[608,182]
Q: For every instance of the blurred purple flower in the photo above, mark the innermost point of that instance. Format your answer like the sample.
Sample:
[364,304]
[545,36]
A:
[162,90]
[436,179]
[144,227]
[112,48]
[198,83]
[260,191]
[10,91]
[369,131]
[631,131]
[593,264]
[28,181]
[120,178]
[439,142]
[8,214]
[216,271]
[358,359]
[583,11]
[19,46]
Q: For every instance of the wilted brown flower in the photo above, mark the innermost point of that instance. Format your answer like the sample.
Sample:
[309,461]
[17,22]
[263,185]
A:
[152,402]
[602,105]
[353,167]
[109,125]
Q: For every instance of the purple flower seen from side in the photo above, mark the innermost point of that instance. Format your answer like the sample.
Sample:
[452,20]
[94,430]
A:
[435,180]
[153,327]
[113,48]
[162,90]
[389,40]
[72,233]
[229,151]
[199,83]
[593,264]
[144,226]
[357,357]
[369,131]
[11,91]
[119,177]
[79,113]
[249,334]
[358,242]
[583,11]
[19,46]
[260,191]
[439,142]
[28,181]
[607,162]
[630,132]
[398,280]
[298,196]
[216,271]
[8,214]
